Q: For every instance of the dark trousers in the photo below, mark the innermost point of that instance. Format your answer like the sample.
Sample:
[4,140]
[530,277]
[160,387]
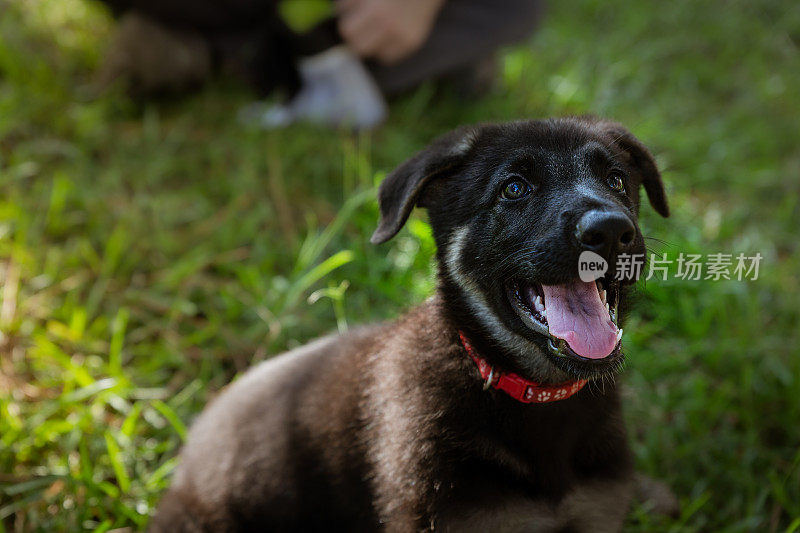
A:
[465,32]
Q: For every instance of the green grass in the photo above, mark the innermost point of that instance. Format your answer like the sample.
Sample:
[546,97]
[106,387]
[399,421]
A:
[148,253]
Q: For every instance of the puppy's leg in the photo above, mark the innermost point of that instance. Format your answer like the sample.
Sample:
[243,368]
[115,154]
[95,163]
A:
[598,507]
[656,495]
[180,512]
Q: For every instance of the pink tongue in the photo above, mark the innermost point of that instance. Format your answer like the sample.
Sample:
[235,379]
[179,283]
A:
[576,314]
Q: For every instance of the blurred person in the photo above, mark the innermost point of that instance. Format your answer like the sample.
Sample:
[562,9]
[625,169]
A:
[339,72]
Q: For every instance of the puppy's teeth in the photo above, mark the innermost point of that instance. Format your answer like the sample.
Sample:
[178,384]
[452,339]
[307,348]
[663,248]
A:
[544,313]
[608,310]
[619,335]
[603,295]
[538,302]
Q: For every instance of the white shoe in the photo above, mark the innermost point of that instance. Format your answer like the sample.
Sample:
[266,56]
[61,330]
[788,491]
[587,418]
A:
[336,91]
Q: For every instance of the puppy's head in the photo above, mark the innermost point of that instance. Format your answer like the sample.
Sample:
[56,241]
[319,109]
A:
[513,207]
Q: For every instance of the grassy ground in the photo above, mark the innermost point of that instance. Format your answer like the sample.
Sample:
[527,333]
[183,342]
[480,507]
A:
[148,253]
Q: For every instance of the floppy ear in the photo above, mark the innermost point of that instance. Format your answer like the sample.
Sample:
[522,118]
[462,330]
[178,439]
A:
[644,162]
[401,190]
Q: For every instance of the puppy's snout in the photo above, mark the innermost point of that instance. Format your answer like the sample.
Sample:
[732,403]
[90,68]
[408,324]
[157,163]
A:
[607,233]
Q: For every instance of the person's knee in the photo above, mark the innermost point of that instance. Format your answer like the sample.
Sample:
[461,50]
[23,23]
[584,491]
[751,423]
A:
[515,19]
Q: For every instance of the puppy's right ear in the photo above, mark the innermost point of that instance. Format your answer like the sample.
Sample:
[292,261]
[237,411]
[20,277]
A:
[401,190]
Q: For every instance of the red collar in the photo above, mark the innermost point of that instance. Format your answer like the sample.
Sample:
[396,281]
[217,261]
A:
[517,387]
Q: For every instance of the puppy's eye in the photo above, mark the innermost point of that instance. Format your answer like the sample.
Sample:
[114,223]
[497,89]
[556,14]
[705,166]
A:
[515,188]
[614,181]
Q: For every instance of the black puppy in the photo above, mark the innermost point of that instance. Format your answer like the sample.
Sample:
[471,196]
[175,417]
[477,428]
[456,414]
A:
[476,411]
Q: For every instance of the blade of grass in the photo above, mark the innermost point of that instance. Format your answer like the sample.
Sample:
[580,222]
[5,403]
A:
[314,275]
[174,420]
[117,339]
[115,456]
[313,245]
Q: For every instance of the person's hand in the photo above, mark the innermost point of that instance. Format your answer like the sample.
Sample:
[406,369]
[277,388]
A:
[387,30]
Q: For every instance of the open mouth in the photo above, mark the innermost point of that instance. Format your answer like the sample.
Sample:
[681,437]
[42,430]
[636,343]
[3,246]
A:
[579,319]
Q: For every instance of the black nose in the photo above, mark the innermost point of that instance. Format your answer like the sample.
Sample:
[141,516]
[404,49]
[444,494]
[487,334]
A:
[605,232]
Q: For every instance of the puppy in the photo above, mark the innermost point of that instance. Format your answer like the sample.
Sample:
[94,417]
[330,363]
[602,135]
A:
[490,407]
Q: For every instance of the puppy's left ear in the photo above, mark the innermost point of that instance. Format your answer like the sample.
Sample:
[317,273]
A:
[401,190]
[643,160]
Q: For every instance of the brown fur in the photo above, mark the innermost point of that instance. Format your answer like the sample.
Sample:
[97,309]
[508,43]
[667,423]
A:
[402,408]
